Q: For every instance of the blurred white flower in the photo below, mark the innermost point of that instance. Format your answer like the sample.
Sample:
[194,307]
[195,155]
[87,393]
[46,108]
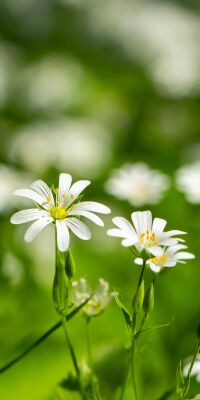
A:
[52,83]
[81,145]
[145,233]
[195,369]
[61,207]
[100,299]
[12,268]
[188,181]
[138,184]
[10,180]
[169,258]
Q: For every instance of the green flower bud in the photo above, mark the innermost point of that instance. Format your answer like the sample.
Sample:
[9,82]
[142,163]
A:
[61,285]
[70,266]
[148,303]
[138,298]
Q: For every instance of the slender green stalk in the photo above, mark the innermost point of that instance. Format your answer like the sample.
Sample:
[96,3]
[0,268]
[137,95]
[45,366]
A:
[187,382]
[133,368]
[89,346]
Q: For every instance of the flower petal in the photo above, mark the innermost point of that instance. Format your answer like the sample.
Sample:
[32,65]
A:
[43,189]
[158,225]
[92,217]
[142,221]
[63,237]
[78,228]
[75,190]
[65,181]
[28,215]
[92,206]
[155,250]
[138,261]
[184,255]
[30,194]
[116,233]
[125,226]
[36,228]
[128,242]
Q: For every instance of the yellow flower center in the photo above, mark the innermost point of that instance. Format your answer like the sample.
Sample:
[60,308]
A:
[58,212]
[149,239]
[159,261]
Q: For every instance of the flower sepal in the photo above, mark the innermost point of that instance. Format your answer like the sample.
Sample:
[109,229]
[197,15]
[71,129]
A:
[61,286]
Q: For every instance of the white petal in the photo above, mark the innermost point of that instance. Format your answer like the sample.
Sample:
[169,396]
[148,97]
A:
[128,242]
[155,250]
[75,190]
[116,233]
[30,194]
[36,228]
[63,237]
[43,189]
[184,255]
[28,215]
[126,228]
[169,242]
[142,221]
[78,228]
[92,217]
[92,206]
[173,249]
[65,181]
[138,261]
[158,225]
[154,267]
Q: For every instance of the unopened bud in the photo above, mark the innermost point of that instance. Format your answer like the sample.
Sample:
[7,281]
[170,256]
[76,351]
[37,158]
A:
[138,298]
[70,266]
[148,303]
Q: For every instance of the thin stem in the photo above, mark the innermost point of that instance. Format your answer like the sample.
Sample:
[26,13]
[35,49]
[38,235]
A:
[71,349]
[187,382]
[89,347]
[133,369]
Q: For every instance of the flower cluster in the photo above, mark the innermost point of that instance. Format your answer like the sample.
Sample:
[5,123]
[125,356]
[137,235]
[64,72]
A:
[98,300]
[145,234]
[60,206]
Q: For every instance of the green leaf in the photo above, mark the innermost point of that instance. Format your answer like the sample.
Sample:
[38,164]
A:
[126,314]
[70,383]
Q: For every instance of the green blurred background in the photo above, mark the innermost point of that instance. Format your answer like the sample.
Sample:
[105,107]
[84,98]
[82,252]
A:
[85,86]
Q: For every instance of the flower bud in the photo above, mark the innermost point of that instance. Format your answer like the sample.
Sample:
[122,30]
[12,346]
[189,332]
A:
[61,285]
[70,266]
[138,298]
[148,303]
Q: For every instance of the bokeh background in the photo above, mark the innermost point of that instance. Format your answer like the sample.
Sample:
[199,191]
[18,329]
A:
[86,86]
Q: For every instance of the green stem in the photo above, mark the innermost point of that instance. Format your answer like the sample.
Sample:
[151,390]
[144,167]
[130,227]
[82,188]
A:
[89,347]
[187,382]
[71,349]
[133,369]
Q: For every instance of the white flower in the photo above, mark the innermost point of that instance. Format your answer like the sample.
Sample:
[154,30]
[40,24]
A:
[144,234]
[138,184]
[195,369]
[188,181]
[99,300]
[61,209]
[169,258]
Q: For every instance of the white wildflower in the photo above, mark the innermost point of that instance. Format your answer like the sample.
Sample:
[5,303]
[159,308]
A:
[99,299]
[188,181]
[138,184]
[61,207]
[195,369]
[145,233]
